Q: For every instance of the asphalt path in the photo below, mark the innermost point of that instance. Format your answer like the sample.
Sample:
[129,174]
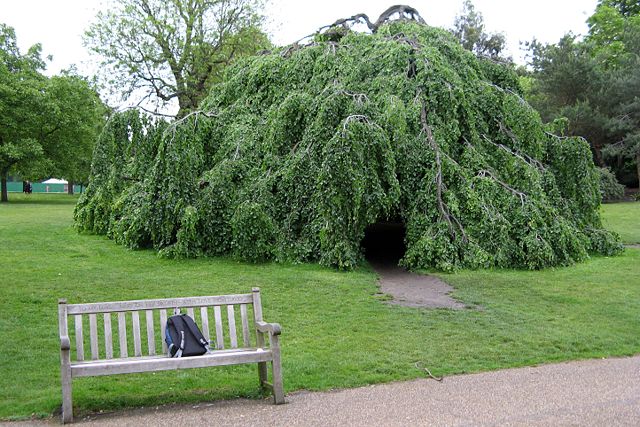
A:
[602,392]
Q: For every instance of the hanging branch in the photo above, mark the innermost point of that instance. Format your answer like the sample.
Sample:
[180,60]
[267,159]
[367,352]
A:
[173,126]
[442,207]
[485,172]
[530,161]
[358,98]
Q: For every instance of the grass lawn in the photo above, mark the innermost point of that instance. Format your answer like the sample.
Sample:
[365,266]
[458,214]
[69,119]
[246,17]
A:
[337,332]
[623,218]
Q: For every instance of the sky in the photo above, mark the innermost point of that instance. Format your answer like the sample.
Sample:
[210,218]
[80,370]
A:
[59,24]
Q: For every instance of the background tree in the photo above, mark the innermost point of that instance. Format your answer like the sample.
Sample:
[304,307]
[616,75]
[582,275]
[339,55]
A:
[614,32]
[468,27]
[164,50]
[76,116]
[595,84]
[48,126]
[21,103]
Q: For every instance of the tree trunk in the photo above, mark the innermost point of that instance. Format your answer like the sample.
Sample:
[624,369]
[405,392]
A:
[597,154]
[638,166]
[70,188]
[5,197]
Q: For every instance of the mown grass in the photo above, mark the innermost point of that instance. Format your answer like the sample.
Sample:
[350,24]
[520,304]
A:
[623,218]
[338,332]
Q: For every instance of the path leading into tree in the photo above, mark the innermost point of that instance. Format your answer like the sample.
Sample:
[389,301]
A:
[414,290]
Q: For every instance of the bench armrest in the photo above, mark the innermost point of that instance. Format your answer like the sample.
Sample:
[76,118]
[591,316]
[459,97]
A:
[272,328]
[65,343]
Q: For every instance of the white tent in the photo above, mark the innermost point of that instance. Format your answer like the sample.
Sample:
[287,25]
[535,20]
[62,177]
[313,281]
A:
[55,181]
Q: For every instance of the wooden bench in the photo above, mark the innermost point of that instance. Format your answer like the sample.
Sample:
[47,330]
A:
[226,348]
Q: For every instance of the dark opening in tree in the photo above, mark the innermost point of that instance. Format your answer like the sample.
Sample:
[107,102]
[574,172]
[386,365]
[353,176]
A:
[383,242]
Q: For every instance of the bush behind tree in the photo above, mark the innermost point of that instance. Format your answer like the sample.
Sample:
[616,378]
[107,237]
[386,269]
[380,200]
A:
[610,188]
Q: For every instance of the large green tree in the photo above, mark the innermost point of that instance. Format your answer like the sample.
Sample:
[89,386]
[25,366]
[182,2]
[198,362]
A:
[595,83]
[21,104]
[165,50]
[297,152]
[614,32]
[75,118]
[48,126]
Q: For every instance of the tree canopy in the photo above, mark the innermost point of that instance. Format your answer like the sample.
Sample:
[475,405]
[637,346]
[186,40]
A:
[594,83]
[468,27]
[21,102]
[297,151]
[47,125]
[161,50]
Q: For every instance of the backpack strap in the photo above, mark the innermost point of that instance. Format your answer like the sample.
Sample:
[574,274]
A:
[180,330]
[195,331]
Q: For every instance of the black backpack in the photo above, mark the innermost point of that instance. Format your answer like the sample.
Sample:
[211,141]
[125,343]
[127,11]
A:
[183,337]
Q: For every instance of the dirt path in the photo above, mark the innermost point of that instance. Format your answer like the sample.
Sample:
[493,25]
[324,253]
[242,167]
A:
[587,393]
[414,290]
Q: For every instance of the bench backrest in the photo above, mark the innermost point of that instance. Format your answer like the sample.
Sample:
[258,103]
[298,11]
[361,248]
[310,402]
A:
[232,319]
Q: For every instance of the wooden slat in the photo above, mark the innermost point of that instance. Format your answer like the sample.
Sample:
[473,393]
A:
[190,313]
[204,315]
[93,331]
[245,325]
[257,317]
[122,334]
[137,346]
[151,341]
[79,338]
[233,337]
[159,363]
[153,304]
[163,326]
[108,341]
[219,335]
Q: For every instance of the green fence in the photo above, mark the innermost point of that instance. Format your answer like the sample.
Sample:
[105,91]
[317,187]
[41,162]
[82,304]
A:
[38,187]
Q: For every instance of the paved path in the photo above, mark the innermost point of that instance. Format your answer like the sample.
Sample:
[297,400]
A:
[586,393]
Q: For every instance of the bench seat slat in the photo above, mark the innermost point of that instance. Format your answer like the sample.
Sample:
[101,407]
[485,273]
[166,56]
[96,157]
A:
[163,363]
[153,304]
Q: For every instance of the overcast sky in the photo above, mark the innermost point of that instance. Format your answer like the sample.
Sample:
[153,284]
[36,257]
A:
[59,24]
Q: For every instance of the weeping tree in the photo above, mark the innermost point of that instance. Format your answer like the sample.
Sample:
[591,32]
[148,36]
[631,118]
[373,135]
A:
[299,150]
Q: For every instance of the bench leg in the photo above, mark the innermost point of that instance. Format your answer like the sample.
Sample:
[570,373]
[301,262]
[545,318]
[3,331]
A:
[262,374]
[278,390]
[67,405]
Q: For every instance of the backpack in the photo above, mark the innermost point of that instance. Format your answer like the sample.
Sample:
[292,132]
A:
[183,337]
